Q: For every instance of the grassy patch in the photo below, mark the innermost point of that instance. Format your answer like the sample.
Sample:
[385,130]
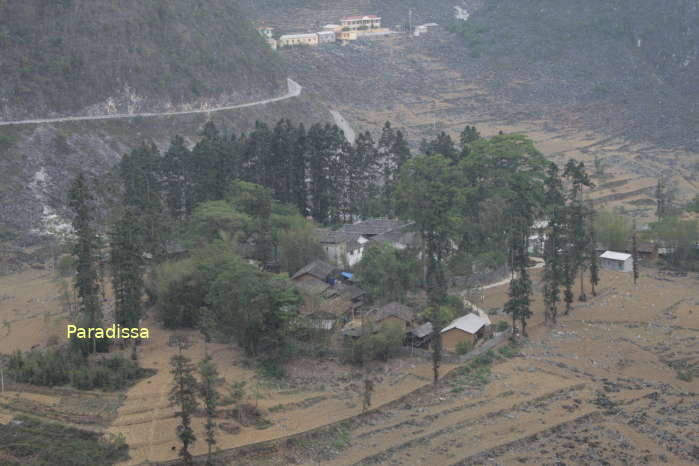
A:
[477,373]
[685,374]
[29,442]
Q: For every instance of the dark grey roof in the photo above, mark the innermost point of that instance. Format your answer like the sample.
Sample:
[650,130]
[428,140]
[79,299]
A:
[394,309]
[311,286]
[396,236]
[375,226]
[339,236]
[319,269]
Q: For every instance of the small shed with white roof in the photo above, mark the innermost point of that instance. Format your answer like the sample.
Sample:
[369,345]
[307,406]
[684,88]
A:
[619,261]
[466,328]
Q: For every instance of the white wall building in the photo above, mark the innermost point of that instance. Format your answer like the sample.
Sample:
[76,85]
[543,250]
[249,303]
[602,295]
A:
[620,261]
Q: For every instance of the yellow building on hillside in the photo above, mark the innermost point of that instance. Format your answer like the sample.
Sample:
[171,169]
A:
[291,40]
[360,22]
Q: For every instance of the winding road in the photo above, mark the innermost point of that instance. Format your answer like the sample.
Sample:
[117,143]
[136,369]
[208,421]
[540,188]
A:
[294,90]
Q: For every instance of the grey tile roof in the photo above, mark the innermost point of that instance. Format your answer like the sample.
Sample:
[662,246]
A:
[394,309]
[318,269]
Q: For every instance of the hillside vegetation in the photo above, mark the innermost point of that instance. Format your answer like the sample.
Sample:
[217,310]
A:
[631,63]
[73,56]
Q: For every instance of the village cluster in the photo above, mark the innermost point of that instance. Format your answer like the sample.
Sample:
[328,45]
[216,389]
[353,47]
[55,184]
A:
[333,298]
[335,301]
[350,29]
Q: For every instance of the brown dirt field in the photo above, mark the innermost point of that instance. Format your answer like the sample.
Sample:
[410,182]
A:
[30,303]
[597,388]
[328,395]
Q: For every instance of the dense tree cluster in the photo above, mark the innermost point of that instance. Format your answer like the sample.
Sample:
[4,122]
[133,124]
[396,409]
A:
[316,170]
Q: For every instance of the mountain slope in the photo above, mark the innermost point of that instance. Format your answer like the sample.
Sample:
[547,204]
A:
[629,65]
[68,57]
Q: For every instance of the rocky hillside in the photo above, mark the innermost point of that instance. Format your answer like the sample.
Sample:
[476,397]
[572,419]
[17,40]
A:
[76,57]
[628,65]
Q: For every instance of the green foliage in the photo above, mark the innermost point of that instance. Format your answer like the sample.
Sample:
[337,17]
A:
[475,374]
[272,369]
[236,392]
[381,344]
[60,58]
[463,347]
[680,236]
[183,398]
[509,351]
[501,326]
[249,305]
[126,261]
[686,374]
[208,374]
[66,266]
[66,367]
[29,442]
[218,220]
[386,273]
[85,251]
[298,247]
[612,230]
[694,205]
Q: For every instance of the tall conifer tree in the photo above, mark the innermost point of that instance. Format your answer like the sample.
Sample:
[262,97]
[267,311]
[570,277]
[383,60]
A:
[84,249]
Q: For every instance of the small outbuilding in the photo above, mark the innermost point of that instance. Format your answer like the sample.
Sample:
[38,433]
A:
[619,261]
[468,328]
[646,250]
[394,313]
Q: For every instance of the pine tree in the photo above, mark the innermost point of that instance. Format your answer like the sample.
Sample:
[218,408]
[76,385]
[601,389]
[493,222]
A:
[592,254]
[213,165]
[554,204]
[518,304]
[177,179]
[298,170]
[140,172]
[126,260]
[183,396]
[84,249]
[208,374]
[393,151]
[468,136]
[634,254]
[364,188]
[578,230]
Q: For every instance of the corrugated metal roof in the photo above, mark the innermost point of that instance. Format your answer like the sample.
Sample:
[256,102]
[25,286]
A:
[470,323]
[615,256]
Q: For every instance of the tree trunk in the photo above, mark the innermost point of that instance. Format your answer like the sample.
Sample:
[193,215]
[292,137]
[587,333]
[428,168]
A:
[582,296]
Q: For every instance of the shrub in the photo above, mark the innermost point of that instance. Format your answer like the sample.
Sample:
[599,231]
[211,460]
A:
[33,442]
[272,369]
[685,374]
[63,367]
[502,326]
[463,347]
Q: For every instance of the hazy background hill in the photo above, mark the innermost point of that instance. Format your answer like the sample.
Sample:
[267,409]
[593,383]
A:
[628,65]
[61,57]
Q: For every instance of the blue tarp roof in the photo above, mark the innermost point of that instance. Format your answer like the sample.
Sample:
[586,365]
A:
[348,275]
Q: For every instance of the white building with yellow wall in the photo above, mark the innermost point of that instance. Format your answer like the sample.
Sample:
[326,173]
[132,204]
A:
[361,22]
[292,40]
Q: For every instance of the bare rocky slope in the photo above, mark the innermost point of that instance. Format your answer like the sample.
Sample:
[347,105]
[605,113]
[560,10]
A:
[74,57]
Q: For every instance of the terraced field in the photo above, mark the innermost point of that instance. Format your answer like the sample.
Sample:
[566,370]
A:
[407,82]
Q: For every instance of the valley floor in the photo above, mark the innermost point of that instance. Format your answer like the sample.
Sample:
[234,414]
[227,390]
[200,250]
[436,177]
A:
[599,386]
